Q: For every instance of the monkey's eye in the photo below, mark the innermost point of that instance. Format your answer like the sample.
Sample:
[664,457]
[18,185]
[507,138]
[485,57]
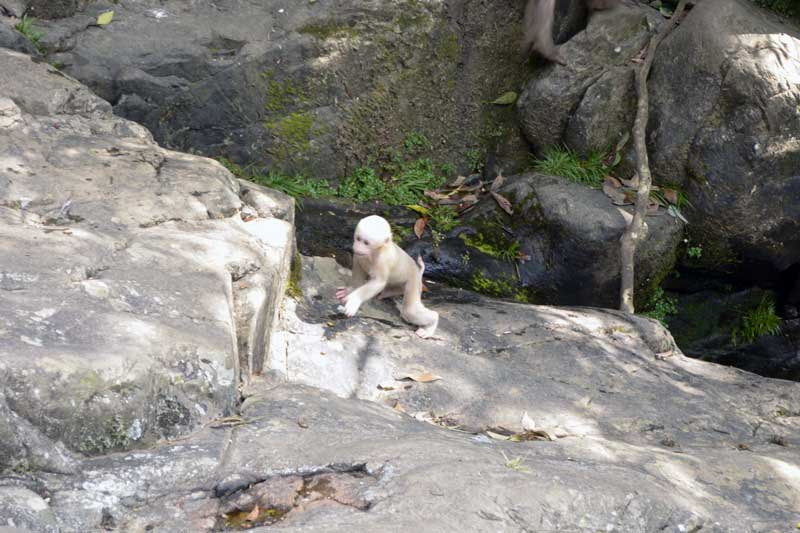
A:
[366,243]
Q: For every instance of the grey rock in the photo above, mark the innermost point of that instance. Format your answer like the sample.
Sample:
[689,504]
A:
[134,294]
[14,40]
[315,87]
[725,126]
[639,442]
[590,102]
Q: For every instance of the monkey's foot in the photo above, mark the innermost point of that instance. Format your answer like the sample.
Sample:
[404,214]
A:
[426,333]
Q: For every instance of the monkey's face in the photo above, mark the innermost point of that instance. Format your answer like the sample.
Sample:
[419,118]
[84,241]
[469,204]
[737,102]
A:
[362,245]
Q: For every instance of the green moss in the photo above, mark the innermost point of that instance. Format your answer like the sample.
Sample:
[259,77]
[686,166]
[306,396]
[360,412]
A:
[279,95]
[491,287]
[329,29]
[448,48]
[491,239]
[292,136]
[293,289]
[114,436]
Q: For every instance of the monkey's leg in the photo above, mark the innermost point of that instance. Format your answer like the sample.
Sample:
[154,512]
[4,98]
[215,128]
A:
[414,312]
[539,30]
[391,291]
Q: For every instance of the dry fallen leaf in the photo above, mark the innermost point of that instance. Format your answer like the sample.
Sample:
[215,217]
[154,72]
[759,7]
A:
[497,183]
[671,195]
[613,191]
[503,202]
[253,515]
[497,436]
[633,182]
[612,181]
[419,227]
[459,181]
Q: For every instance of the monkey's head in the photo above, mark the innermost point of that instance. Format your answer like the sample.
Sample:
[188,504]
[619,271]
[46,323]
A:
[372,233]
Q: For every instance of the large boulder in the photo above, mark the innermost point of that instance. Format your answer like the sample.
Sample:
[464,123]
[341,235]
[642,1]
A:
[304,86]
[591,102]
[725,125]
[137,285]
[516,418]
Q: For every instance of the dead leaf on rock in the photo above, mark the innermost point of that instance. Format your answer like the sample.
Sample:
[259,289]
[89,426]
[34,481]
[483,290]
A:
[613,191]
[459,181]
[423,377]
[503,202]
[535,434]
[497,183]
[632,183]
[497,436]
[671,195]
[253,515]
[419,227]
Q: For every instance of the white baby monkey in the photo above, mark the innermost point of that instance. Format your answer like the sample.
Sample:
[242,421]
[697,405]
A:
[383,269]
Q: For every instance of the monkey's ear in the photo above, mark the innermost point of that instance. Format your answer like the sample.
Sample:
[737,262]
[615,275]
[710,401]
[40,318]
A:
[389,238]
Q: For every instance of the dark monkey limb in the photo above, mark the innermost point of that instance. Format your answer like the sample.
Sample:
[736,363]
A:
[538,25]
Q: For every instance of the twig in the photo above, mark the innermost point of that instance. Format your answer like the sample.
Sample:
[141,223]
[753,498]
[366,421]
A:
[637,229]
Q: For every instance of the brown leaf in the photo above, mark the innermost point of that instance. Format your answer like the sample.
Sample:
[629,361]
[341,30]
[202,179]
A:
[436,195]
[469,199]
[459,181]
[503,202]
[253,515]
[612,182]
[419,227]
[421,377]
[612,191]
[497,183]
[633,182]
[671,196]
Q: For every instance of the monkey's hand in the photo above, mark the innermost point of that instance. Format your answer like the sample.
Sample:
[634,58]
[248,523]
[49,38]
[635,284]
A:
[351,304]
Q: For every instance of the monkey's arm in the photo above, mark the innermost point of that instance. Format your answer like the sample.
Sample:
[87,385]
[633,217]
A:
[358,278]
[368,290]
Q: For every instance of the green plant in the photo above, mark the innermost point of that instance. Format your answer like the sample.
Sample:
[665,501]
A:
[660,306]
[561,161]
[443,218]
[475,160]
[416,142]
[413,180]
[27,28]
[756,322]
[362,185]
[694,252]
[297,186]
